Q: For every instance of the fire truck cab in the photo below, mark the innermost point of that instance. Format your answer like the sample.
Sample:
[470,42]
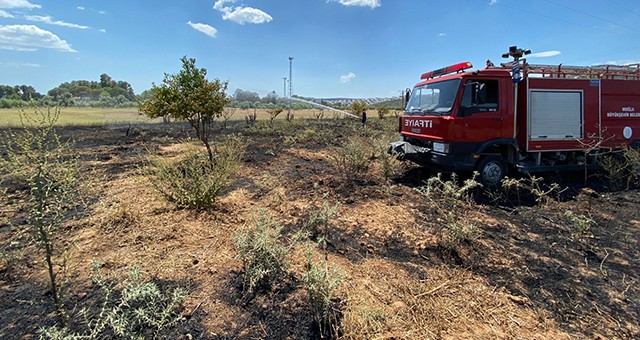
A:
[546,118]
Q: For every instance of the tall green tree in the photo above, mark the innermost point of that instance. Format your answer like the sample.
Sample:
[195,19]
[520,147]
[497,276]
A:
[189,95]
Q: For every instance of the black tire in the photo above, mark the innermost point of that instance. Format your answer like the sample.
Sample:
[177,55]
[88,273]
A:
[492,170]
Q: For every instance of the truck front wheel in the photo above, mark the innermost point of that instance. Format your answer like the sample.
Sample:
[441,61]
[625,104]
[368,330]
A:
[492,170]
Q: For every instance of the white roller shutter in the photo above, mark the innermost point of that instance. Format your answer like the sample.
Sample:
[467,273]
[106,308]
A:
[555,114]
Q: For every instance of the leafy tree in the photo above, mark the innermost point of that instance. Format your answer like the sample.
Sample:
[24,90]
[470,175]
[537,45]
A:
[21,92]
[357,107]
[246,96]
[144,96]
[188,95]
[106,81]
[67,100]
[93,92]
[271,98]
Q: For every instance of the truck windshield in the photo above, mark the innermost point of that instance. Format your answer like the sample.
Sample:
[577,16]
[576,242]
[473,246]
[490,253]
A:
[433,99]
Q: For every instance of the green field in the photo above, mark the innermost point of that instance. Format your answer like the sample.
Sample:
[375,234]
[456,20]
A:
[81,116]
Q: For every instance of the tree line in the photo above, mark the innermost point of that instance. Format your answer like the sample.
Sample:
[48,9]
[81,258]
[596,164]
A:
[106,92]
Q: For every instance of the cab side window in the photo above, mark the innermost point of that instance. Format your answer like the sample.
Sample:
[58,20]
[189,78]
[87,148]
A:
[479,96]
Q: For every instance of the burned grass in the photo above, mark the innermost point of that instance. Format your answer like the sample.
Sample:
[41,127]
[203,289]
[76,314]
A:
[531,272]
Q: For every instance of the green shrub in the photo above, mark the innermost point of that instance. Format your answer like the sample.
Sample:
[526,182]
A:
[458,231]
[38,160]
[316,223]
[139,310]
[263,253]
[543,193]
[622,169]
[448,195]
[352,159]
[449,199]
[383,111]
[391,166]
[580,224]
[515,186]
[194,182]
[321,284]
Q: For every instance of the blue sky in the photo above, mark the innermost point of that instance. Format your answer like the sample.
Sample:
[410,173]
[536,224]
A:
[341,48]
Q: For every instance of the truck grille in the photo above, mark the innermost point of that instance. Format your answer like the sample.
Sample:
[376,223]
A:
[419,142]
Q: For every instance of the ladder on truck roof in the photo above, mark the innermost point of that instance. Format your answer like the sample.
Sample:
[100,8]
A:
[626,72]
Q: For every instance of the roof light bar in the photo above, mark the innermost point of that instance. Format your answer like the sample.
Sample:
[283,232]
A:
[446,70]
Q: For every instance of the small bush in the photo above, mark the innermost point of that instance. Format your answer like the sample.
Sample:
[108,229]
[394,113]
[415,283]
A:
[38,160]
[316,222]
[515,186]
[250,120]
[321,284]
[273,113]
[119,217]
[391,166]
[449,199]
[263,253]
[622,169]
[580,224]
[289,117]
[383,111]
[543,193]
[448,195]
[194,182]
[140,310]
[459,231]
[352,160]
[227,113]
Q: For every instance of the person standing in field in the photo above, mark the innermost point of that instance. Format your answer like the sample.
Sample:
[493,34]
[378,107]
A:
[364,117]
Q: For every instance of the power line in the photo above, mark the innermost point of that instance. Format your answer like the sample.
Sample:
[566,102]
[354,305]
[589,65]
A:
[591,15]
[554,18]
[632,11]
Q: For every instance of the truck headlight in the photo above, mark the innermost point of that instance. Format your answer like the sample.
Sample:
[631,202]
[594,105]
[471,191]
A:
[441,147]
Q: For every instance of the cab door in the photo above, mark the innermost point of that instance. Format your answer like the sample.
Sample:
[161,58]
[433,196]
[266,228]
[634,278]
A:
[480,116]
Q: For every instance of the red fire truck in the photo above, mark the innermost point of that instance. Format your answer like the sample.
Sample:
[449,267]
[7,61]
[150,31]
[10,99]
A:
[519,116]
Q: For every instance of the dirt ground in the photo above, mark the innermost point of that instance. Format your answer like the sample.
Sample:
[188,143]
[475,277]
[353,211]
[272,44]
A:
[528,274]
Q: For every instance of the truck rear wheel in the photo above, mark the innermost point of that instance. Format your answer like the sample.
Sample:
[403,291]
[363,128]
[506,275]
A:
[492,170]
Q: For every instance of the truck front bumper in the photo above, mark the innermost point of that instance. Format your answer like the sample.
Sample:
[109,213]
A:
[427,157]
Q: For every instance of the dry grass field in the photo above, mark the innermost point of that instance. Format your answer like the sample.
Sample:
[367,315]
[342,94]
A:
[516,268]
[82,116]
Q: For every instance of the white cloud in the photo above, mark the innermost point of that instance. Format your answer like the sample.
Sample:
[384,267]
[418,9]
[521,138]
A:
[103,30]
[243,15]
[5,14]
[360,3]
[17,4]
[30,38]
[49,20]
[240,14]
[204,28]
[493,2]
[80,8]
[219,4]
[442,35]
[345,78]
